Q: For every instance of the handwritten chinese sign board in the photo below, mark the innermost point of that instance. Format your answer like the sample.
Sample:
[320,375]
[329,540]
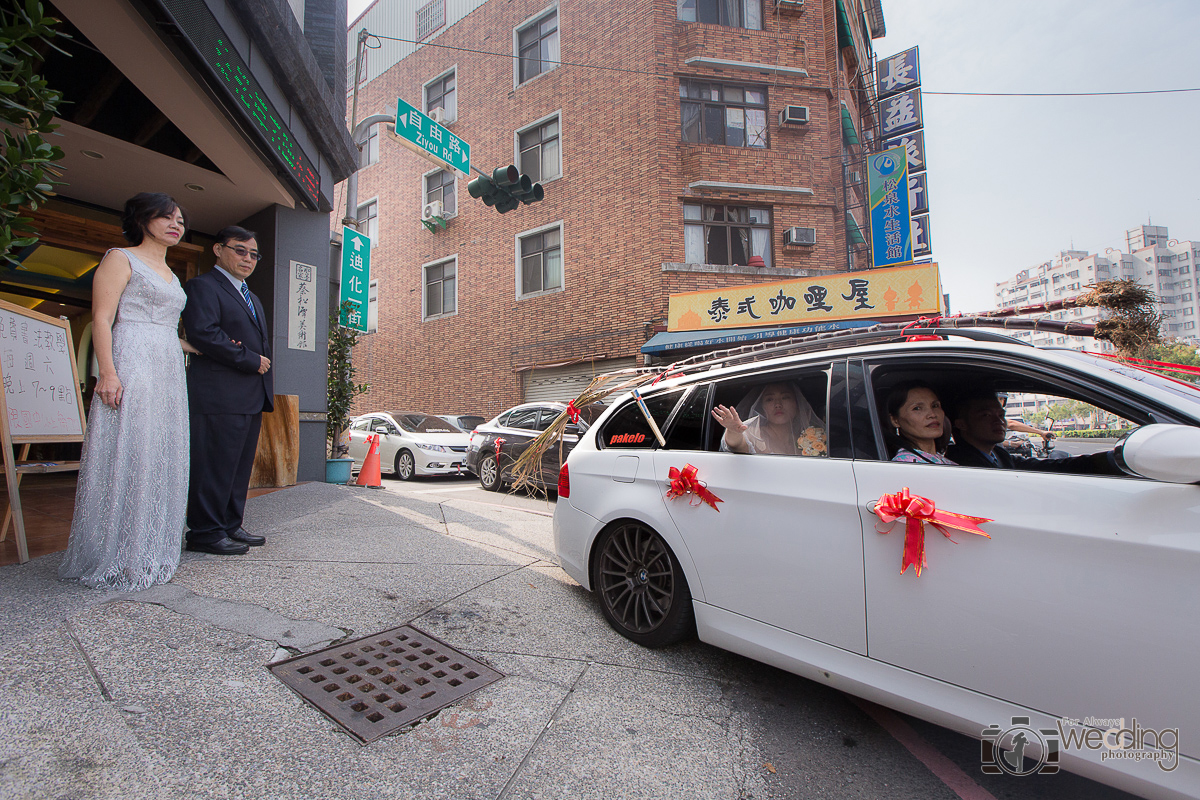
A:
[431,140]
[887,190]
[302,292]
[41,391]
[356,278]
[871,294]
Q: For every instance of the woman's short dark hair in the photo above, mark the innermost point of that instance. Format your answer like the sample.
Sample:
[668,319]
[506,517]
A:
[894,402]
[144,207]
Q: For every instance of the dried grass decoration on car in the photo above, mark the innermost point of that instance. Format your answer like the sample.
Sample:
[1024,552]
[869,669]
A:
[916,512]
[528,466]
[684,481]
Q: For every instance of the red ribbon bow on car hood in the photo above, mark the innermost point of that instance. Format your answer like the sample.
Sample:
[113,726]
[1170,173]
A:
[917,511]
[572,412]
[685,482]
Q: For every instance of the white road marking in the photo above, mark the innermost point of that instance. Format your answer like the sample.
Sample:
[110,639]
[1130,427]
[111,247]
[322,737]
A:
[443,491]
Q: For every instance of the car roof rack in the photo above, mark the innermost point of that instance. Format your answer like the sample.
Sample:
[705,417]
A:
[882,333]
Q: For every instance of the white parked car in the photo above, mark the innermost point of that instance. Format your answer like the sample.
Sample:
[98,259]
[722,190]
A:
[1083,606]
[410,443]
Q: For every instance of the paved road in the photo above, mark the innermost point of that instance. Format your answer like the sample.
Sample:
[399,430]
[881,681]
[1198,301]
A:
[815,741]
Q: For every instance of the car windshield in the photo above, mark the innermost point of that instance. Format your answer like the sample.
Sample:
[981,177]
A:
[422,423]
[1186,391]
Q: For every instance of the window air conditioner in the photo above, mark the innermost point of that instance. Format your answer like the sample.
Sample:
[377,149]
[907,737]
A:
[438,115]
[855,177]
[431,210]
[800,236]
[794,115]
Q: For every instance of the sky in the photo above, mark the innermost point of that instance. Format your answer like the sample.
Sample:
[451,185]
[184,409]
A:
[1015,180]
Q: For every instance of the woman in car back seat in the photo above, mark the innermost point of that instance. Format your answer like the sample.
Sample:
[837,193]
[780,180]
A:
[919,431]
[779,421]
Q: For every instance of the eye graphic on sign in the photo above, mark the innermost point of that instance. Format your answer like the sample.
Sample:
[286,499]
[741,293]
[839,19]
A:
[884,165]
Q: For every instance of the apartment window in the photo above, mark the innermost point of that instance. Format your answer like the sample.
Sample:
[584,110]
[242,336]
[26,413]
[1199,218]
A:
[1187,312]
[373,307]
[540,255]
[1187,326]
[370,149]
[368,220]
[430,17]
[723,114]
[1184,270]
[732,13]
[537,47]
[440,186]
[441,94]
[539,151]
[441,288]
[1183,256]
[1185,298]
[722,234]
[1185,284]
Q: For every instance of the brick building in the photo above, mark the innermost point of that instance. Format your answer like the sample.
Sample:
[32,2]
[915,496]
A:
[656,130]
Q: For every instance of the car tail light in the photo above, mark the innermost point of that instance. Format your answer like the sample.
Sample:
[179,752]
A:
[564,482]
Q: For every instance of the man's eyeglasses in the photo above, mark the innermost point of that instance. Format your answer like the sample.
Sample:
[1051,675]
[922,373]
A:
[243,252]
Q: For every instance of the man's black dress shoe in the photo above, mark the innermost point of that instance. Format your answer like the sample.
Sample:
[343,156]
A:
[221,547]
[240,535]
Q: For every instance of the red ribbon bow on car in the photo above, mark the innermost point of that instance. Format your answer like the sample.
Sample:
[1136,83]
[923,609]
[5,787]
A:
[917,511]
[572,412]
[685,482]
[499,441]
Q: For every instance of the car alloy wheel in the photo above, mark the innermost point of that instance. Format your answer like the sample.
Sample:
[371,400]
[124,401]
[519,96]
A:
[489,472]
[643,592]
[405,466]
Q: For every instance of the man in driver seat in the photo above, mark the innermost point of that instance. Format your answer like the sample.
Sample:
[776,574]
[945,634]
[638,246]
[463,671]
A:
[980,426]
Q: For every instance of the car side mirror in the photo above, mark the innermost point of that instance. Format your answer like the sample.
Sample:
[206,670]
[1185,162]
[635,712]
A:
[1168,453]
[382,430]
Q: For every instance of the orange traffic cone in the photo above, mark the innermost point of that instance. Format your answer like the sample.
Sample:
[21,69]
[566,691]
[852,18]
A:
[369,474]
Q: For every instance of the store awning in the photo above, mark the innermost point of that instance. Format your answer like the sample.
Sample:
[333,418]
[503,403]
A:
[849,134]
[696,340]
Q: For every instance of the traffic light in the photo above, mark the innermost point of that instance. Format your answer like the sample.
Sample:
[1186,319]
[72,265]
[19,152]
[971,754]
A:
[506,189]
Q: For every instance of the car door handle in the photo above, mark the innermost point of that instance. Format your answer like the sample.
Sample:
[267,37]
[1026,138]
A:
[871,505]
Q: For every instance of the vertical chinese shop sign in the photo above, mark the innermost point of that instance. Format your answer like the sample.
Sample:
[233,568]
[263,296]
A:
[887,184]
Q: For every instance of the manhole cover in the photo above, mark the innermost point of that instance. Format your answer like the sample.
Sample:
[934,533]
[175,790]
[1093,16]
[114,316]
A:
[381,683]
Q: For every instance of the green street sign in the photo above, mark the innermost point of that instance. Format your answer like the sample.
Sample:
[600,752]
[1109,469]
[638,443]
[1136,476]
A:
[356,277]
[431,140]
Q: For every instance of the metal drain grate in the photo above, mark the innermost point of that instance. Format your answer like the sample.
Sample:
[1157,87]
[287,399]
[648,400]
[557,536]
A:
[381,683]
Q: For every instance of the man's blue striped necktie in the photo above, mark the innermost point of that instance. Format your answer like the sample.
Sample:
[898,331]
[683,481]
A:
[249,302]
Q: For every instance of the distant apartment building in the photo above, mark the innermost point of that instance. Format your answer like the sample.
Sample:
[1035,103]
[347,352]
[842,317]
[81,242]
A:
[679,143]
[1163,265]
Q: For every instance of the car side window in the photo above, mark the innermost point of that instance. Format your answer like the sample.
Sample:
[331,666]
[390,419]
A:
[523,418]
[546,419]
[628,427]
[502,420]
[783,413]
[1004,417]
[687,428]
[361,425]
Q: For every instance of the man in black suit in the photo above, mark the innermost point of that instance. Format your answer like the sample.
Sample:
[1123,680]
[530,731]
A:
[229,386]
[979,428]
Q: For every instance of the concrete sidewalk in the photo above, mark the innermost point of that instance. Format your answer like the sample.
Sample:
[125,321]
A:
[164,693]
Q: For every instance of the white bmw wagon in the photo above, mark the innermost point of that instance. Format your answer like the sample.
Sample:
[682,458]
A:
[1083,605]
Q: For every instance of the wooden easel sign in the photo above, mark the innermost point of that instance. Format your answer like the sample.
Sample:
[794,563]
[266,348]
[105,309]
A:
[40,401]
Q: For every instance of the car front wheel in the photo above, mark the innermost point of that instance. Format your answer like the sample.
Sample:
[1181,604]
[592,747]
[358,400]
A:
[405,466]
[643,592]
[489,472]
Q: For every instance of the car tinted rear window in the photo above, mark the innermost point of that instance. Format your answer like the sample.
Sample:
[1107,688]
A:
[423,423]
[628,427]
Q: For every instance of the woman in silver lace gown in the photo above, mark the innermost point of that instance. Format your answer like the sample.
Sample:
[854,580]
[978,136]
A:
[133,478]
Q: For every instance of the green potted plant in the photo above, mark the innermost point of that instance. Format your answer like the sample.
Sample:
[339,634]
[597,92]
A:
[341,394]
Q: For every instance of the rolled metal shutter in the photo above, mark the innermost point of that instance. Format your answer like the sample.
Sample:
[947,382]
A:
[565,383]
